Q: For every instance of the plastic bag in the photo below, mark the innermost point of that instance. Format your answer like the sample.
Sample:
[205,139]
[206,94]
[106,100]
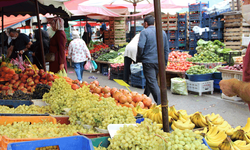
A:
[94,64]
[179,86]
[62,73]
[135,68]
[88,65]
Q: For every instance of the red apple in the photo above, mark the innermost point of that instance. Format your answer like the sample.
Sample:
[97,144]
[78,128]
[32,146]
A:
[15,77]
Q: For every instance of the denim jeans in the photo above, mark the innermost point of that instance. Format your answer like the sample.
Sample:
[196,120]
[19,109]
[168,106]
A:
[150,71]
[79,68]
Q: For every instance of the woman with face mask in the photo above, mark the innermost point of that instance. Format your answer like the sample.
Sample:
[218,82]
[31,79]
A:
[57,45]
[234,87]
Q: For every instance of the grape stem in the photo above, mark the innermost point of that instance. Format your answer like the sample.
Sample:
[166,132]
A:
[161,137]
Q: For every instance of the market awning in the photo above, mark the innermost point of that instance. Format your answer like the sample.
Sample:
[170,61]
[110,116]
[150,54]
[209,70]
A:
[23,7]
[12,20]
[83,23]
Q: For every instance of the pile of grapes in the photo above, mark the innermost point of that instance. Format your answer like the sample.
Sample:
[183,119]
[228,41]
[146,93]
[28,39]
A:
[23,109]
[40,130]
[149,136]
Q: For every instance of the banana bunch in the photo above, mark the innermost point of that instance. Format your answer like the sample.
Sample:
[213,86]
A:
[246,128]
[212,117]
[139,110]
[214,137]
[238,135]
[230,132]
[227,144]
[199,120]
[176,114]
[182,125]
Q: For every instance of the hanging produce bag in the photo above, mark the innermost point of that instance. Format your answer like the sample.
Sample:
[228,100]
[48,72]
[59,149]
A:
[94,64]
[179,86]
[62,73]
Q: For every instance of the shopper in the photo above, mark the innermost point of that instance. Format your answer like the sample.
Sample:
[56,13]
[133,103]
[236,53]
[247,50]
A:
[36,48]
[130,56]
[57,45]
[102,35]
[79,54]
[87,33]
[19,46]
[147,54]
[103,25]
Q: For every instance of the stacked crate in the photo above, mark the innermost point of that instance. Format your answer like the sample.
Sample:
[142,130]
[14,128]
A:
[182,31]
[196,12]
[234,28]
[170,26]
[117,33]
[216,24]
[234,5]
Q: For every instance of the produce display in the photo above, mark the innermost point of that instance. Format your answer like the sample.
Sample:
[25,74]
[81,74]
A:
[238,67]
[111,55]
[196,69]
[99,50]
[23,109]
[178,56]
[179,66]
[149,136]
[17,95]
[39,91]
[216,46]
[40,130]
[118,59]
[206,57]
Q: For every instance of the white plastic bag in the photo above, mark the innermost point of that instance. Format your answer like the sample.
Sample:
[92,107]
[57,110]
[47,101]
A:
[135,68]
[179,86]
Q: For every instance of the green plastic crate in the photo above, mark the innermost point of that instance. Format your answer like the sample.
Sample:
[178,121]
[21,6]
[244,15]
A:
[101,141]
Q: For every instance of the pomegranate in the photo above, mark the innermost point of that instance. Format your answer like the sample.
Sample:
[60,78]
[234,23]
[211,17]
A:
[122,99]
[147,101]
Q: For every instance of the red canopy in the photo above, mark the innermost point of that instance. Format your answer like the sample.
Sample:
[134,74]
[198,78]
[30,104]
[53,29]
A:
[11,20]
[83,23]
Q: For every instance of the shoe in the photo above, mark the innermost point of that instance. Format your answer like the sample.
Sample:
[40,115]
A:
[80,81]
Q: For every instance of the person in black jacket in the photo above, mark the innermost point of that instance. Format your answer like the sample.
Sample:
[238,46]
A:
[35,48]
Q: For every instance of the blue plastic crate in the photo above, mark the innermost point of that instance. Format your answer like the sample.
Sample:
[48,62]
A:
[182,43]
[172,43]
[182,17]
[181,25]
[64,143]
[205,15]
[217,81]
[172,34]
[217,75]
[192,43]
[199,77]
[205,22]
[194,23]
[198,7]
[191,35]
[197,36]
[216,34]
[205,35]
[15,103]
[195,16]
[192,51]
[137,81]
[182,34]
[216,23]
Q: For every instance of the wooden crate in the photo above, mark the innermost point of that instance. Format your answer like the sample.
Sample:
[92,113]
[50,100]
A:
[168,21]
[234,5]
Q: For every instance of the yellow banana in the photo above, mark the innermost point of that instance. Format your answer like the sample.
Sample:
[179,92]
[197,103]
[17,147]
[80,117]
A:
[230,132]
[246,138]
[212,117]
[218,121]
[246,128]
[213,131]
[238,135]
[182,126]
[173,127]
[240,143]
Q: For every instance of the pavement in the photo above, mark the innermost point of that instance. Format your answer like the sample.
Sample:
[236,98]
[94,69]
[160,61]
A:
[235,112]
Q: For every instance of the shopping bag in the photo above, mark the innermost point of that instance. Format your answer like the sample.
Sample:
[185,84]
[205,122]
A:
[94,64]
[179,86]
[88,65]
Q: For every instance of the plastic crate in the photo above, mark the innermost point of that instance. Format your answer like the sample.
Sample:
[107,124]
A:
[23,114]
[182,43]
[64,143]
[197,36]
[182,25]
[226,76]
[182,17]
[216,23]
[199,77]
[104,68]
[195,16]
[228,57]
[116,76]
[138,74]
[198,7]
[205,22]
[172,34]
[182,34]
[205,35]
[194,23]
[205,15]
[192,43]
[200,87]
[217,75]
[101,141]
[137,81]
[191,35]
[216,34]
[117,70]
[15,103]
[172,43]
[62,119]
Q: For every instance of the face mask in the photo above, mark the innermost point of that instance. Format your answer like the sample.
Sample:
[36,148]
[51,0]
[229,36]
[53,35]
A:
[13,38]
[246,13]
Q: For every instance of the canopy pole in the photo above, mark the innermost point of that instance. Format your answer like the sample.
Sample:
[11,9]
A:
[161,63]
[134,4]
[2,38]
[40,33]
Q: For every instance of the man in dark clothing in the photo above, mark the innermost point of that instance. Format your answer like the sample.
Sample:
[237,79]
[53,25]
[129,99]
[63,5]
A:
[102,35]
[147,54]
[19,45]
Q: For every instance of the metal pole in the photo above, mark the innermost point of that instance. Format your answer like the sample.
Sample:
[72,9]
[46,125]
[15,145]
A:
[161,63]
[40,34]
[80,28]
[134,4]
[2,38]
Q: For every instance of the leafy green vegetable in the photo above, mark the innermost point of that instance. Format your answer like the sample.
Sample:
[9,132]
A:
[198,70]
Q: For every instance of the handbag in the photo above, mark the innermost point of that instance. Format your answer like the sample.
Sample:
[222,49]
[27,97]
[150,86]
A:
[50,57]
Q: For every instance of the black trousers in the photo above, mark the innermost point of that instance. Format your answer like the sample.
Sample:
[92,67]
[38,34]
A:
[150,72]
[126,71]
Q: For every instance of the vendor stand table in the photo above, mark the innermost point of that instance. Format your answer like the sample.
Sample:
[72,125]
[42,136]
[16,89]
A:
[171,74]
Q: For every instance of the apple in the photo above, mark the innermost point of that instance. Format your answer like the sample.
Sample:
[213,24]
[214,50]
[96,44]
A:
[15,77]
